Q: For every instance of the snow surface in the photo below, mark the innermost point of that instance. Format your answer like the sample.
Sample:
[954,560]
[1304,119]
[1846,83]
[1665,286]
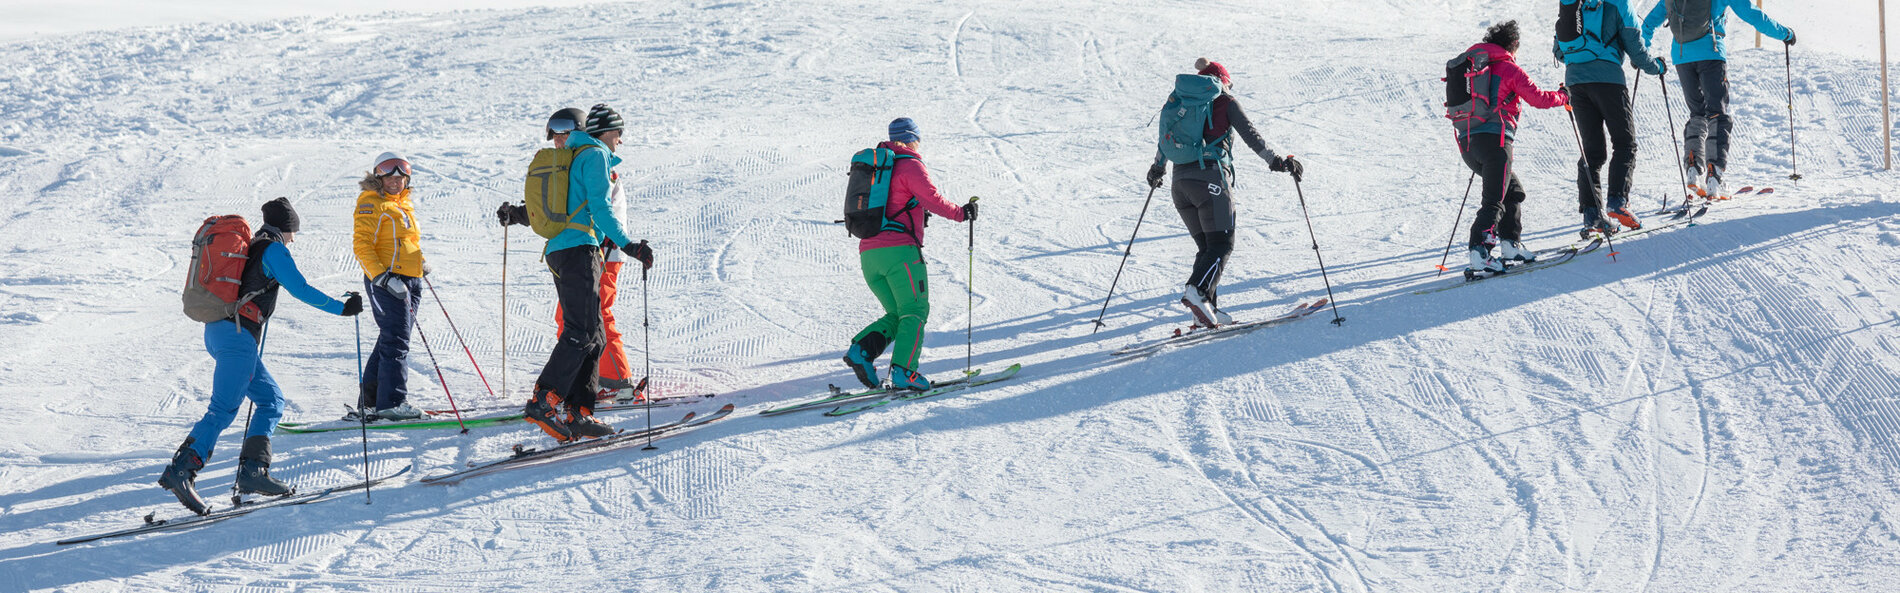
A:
[1717,409]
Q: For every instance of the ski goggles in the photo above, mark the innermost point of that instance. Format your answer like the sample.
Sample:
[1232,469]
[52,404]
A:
[561,126]
[392,167]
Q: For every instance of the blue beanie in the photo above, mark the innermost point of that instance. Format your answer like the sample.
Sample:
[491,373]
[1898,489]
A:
[903,130]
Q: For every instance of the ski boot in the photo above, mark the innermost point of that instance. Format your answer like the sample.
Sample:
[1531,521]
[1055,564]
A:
[1191,298]
[862,358]
[542,412]
[615,384]
[181,478]
[253,475]
[581,423]
[1513,251]
[1692,164]
[1713,185]
[402,411]
[1619,210]
[1482,264]
[1594,223]
[903,378]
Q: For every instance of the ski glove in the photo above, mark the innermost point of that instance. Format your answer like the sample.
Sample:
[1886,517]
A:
[1657,67]
[1288,164]
[512,214]
[425,268]
[1155,174]
[640,251]
[1790,39]
[392,284]
[969,212]
[353,306]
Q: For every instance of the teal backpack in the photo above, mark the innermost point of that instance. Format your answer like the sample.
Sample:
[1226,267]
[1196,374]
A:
[1580,35]
[869,191]
[1185,120]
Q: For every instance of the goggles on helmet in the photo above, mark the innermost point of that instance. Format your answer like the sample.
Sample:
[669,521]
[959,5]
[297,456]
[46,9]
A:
[392,167]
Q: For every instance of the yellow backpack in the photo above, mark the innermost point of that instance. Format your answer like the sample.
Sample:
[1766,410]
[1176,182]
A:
[546,192]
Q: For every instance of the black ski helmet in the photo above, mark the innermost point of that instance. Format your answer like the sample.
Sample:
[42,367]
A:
[572,115]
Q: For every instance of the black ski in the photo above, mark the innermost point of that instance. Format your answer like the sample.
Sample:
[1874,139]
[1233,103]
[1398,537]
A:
[153,524]
[525,456]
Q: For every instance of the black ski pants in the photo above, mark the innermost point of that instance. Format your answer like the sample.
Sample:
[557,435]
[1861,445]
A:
[1705,89]
[1490,158]
[1203,196]
[573,369]
[1600,106]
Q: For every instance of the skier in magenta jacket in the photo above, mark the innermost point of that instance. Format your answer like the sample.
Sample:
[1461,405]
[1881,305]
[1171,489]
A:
[893,264]
[1486,149]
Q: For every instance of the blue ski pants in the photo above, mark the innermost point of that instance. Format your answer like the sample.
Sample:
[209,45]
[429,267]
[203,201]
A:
[240,375]
[386,375]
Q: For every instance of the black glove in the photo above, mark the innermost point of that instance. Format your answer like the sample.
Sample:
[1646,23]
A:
[512,214]
[640,251]
[969,212]
[1287,164]
[1790,39]
[353,306]
[1155,174]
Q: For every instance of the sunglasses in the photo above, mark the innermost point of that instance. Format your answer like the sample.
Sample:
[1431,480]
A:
[392,167]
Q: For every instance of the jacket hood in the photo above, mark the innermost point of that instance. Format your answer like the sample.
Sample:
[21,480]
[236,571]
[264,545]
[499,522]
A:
[900,149]
[1496,52]
[577,139]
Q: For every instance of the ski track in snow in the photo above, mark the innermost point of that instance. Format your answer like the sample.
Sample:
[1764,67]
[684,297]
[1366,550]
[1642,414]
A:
[1716,409]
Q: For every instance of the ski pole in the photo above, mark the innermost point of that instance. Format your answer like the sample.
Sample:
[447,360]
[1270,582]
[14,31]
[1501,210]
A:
[458,335]
[1680,172]
[1118,268]
[504,311]
[1787,67]
[1454,222]
[262,332]
[646,336]
[969,307]
[440,378]
[1337,320]
[362,420]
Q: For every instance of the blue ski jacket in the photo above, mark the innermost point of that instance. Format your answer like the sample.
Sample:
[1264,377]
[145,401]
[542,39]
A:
[1622,40]
[1713,45]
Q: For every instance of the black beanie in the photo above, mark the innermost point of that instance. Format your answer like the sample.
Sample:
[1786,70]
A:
[278,213]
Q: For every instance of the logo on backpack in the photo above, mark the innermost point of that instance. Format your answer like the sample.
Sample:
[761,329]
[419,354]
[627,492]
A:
[868,194]
[1690,20]
[547,190]
[1186,118]
[219,252]
[1471,90]
[1581,34]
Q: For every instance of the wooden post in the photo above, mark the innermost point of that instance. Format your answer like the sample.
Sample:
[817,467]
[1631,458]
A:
[1886,116]
[1758,31]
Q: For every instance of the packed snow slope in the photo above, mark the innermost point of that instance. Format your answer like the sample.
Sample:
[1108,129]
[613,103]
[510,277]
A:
[1716,409]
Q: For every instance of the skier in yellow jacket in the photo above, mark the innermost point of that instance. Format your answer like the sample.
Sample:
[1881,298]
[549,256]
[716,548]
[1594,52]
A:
[389,246]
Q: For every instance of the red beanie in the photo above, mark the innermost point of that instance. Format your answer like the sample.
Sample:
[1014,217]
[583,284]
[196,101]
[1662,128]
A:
[1211,68]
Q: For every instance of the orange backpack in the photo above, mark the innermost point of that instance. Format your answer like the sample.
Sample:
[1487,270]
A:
[218,254]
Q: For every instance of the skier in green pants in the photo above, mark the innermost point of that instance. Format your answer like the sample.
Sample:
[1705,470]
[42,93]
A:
[893,263]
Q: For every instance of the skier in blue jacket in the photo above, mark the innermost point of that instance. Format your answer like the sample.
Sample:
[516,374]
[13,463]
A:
[1700,29]
[1594,37]
[240,374]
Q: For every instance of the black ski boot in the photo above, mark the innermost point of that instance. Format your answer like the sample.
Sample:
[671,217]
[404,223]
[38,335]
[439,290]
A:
[253,475]
[181,476]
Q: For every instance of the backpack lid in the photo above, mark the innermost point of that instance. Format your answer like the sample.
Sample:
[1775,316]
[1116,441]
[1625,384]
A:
[1196,88]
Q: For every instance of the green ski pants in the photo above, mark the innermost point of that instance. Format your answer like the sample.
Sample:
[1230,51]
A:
[896,277]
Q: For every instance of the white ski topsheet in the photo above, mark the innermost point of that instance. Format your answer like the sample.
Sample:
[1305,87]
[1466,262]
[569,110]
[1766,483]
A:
[1715,410]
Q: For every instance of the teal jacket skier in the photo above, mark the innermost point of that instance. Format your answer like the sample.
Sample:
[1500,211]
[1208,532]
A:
[1699,29]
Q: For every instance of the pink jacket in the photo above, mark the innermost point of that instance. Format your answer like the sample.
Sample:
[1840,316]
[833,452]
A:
[1514,84]
[910,180]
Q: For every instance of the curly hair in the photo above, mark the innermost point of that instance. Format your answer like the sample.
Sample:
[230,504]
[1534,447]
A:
[1503,35]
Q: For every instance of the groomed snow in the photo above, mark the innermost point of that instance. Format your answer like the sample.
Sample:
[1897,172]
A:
[1717,409]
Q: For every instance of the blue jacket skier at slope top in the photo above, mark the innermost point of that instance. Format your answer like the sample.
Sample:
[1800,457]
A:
[240,373]
[1594,37]
[1198,124]
[1700,30]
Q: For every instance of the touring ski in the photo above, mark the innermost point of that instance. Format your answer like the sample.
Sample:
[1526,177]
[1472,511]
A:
[472,418]
[839,396]
[153,524]
[1197,334]
[525,456]
[935,390]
